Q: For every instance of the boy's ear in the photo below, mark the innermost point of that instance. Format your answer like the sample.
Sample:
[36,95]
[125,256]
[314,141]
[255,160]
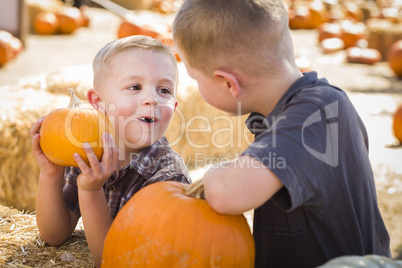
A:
[95,100]
[231,81]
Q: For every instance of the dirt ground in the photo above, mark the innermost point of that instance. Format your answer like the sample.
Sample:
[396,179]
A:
[374,90]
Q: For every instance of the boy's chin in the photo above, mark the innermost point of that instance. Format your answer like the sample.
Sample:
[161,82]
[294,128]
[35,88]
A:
[141,143]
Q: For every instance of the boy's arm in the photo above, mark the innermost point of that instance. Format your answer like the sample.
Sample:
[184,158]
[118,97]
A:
[241,185]
[55,222]
[93,205]
[97,221]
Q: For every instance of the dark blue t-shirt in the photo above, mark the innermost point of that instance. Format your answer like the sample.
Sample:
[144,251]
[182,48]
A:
[316,144]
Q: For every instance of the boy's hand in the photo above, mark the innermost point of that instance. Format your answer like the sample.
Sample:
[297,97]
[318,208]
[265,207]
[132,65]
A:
[93,178]
[45,165]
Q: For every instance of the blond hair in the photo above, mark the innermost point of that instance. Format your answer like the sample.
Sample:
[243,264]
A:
[110,50]
[250,35]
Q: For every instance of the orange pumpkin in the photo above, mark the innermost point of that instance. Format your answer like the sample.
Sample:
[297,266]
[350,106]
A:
[6,51]
[127,28]
[318,15]
[397,124]
[363,55]
[46,23]
[352,32]
[64,131]
[299,17]
[330,45]
[394,57]
[70,19]
[163,226]
[329,30]
[85,19]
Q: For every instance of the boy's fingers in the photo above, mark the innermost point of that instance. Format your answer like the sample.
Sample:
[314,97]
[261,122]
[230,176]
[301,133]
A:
[81,163]
[35,143]
[92,159]
[35,128]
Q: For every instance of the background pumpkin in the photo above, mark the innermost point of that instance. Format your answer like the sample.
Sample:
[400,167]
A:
[394,57]
[162,226]
[397,124]
[64,131]
[70,19]
[46,23]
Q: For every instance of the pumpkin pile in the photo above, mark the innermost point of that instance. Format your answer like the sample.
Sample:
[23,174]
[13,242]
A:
[350,27]
[10,47]
[166,224]
[64,131]
[66,20]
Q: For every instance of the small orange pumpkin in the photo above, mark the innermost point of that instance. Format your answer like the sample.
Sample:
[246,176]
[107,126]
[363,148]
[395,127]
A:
[319,15]
[397,124]
[394,57]
[329,30]
[64,131]
[70,19]
[299,17]
[363,55]
[163,225]
[6,51]
[46,23]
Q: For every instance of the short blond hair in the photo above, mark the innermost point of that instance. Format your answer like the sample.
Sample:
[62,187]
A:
[245,34]
[110,50]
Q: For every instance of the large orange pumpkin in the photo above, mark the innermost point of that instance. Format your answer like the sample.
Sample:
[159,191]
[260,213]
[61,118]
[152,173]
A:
[163,226]
[64,131]
[397,124]
[394,57]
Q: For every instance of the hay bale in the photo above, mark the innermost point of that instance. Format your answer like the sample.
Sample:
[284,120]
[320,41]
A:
[382,33]
[135,4]
[77,77]
[21,245]
[202,134]
[19,110]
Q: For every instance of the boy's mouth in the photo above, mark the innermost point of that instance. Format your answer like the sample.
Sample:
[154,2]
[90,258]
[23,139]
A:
[147,119]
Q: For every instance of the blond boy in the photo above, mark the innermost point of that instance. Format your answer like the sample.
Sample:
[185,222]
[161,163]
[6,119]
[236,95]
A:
[135,82]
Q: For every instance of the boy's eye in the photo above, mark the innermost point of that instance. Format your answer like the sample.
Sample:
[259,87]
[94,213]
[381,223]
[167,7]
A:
[135,87]
[165,91]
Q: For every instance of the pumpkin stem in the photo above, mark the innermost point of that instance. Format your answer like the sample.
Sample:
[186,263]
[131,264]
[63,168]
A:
[196,190]
[74,101]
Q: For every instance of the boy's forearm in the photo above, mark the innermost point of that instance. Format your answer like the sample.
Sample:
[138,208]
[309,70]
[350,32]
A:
[239,186]
[54,220]
[97,221]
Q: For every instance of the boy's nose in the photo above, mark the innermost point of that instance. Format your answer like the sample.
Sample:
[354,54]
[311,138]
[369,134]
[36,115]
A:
[150,100]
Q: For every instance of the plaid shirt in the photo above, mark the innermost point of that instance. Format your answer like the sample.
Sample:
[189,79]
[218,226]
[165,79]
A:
[158,162]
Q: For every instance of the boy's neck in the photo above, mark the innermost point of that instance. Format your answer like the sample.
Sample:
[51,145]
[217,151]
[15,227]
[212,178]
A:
[266,92]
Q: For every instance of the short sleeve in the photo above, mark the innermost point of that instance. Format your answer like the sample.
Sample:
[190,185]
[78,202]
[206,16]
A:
[287,148]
